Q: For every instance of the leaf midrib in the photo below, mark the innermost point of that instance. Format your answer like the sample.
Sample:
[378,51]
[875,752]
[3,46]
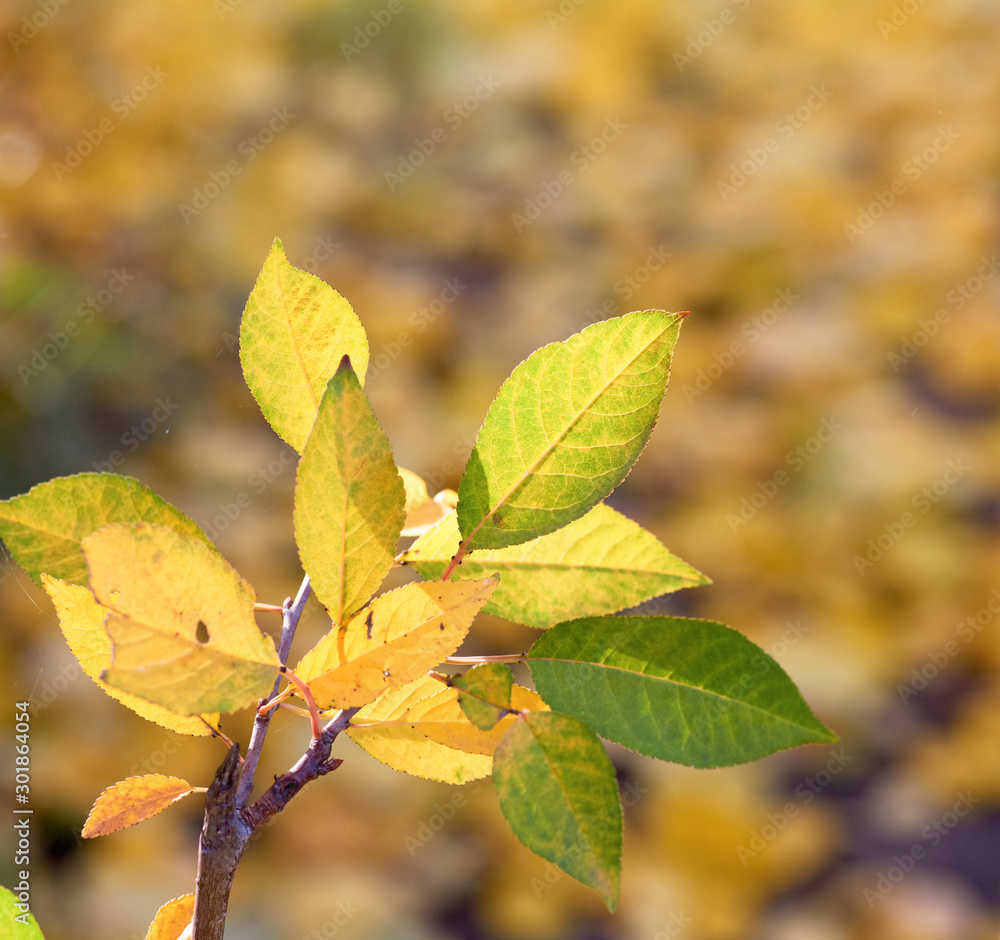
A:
[680,684]
[282,290]
[552,445]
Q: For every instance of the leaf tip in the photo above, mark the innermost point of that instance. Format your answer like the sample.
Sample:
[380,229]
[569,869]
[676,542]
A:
[345,364]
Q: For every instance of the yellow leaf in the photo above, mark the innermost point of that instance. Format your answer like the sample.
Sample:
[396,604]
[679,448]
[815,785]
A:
[440,724]
[132,800]
[164,589]
[180,673]
[294,332]
[423,512]
[599,564]
[81,619]
[424,517]
[399,636]
[416,489]
[172,919]
[420,729]
[348,499]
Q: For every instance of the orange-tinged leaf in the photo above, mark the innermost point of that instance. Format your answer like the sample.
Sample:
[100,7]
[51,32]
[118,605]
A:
[132,800]
[172,919]
[81,619]
[161,588]
[420,729]
[398,637]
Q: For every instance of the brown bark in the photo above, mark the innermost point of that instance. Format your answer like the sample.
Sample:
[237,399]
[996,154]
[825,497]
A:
[219,850]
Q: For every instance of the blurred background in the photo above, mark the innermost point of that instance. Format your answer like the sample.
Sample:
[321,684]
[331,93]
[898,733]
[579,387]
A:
[817,183]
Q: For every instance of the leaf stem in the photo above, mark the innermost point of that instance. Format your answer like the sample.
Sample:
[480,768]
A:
[277,700]
[456,560]
[306,693]
[477,660]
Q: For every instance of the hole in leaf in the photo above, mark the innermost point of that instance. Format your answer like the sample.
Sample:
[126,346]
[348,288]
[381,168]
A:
[201,634]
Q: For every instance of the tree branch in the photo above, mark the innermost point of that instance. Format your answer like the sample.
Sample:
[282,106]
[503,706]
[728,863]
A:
[229,821]
[314,763]
[291,614]
[219,850]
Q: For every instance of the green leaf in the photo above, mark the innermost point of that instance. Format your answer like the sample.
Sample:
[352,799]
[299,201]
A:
[565,429]
[484,693]
[18,921]
[164,589]
[690,691]
[557,790]
[294,332]
[349,499]
[599,564]
[44,527]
